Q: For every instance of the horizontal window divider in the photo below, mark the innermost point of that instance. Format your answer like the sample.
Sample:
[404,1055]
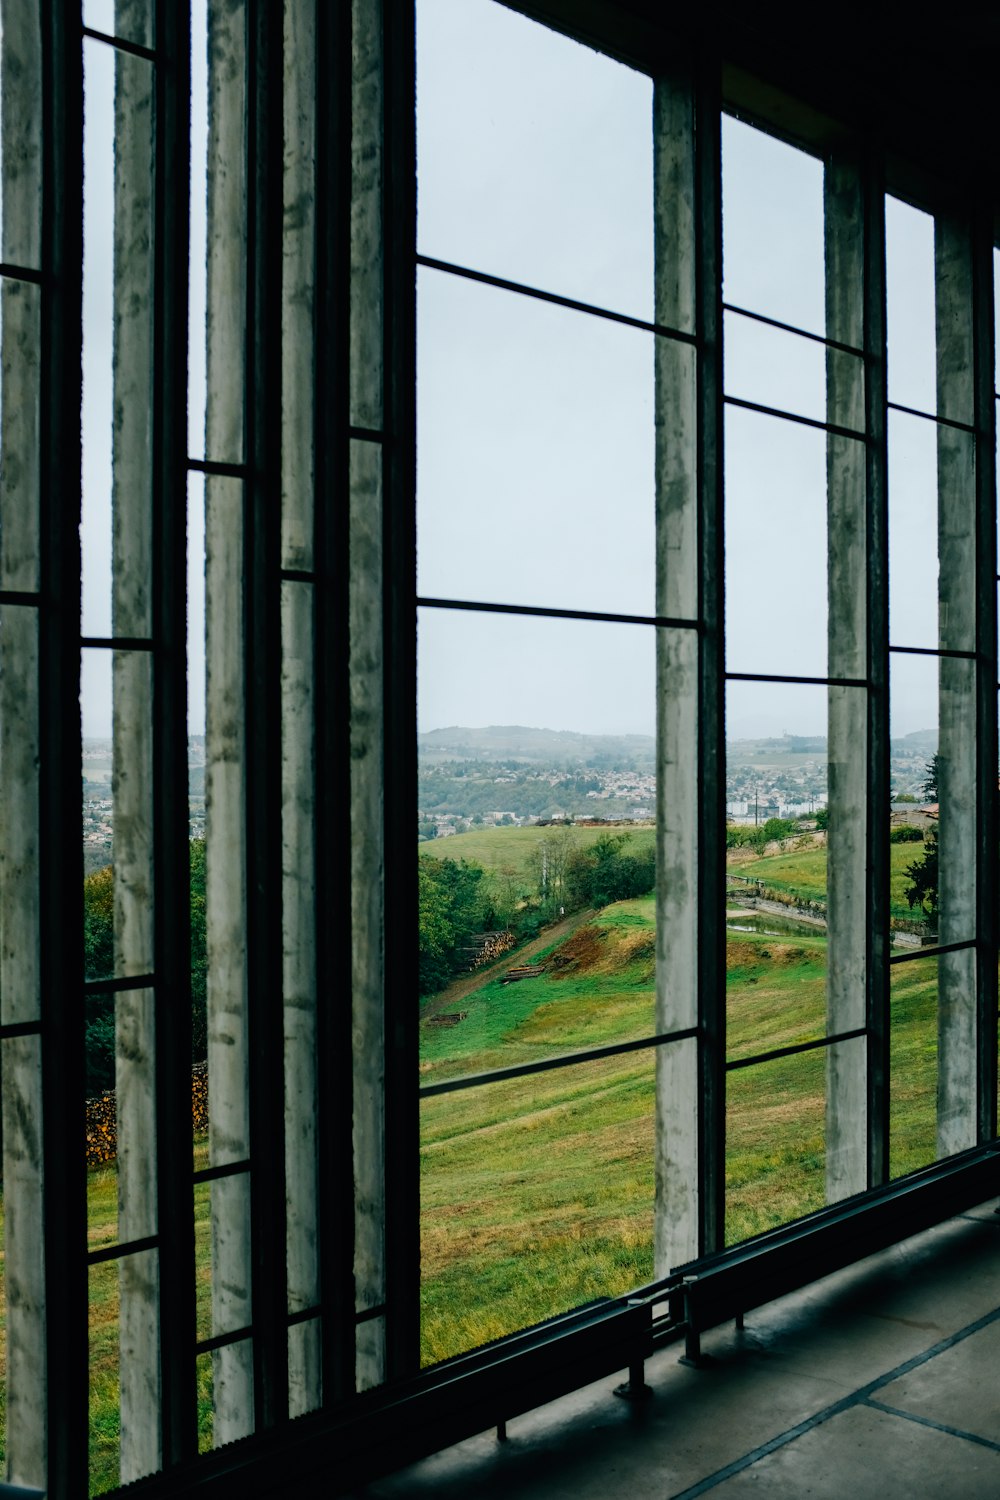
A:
[120,43]
[225,1169]
[816,423]
[20,596]
[221,1340]
[297,575]
[574,305]
[369,1314]
[122,982]
[20,273]
[20,1028]
[795,1048]
[549,1064]
[802,333]
[119,1252]
[116,643]
[542,612]
[933,651]
[858,682]
[220,470]
[932,952]
[305,1314]
[929,416]
[367,434]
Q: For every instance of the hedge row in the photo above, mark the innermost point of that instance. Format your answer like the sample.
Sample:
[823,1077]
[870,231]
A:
[102,1129]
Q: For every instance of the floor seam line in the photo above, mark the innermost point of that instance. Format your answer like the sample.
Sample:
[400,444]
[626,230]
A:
[856,1398]
[912,1416]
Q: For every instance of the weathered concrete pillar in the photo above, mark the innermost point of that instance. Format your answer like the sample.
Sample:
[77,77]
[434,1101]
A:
[957,590]
[847,623]
[132,774]
[367,714]
[20,999]
[225,738]
[676,1237]
[298,790]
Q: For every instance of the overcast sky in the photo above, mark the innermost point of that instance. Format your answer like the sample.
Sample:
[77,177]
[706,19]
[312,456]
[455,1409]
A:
[535,423]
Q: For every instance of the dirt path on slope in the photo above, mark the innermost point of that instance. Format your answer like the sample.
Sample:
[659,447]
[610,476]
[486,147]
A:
[467,984]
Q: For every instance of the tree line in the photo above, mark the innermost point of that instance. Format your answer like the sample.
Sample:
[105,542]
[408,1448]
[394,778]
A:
[459,899]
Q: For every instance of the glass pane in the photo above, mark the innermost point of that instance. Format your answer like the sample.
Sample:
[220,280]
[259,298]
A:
[776,546]
[105,1418]
[932,751]
[536,1196]
[536,452]
[772,227]
[537,860]
[98,325]
[776,1139]
[217,1424]
[198,230]
[773,368]
[910,318]
[913,531]
[777,910]
[535,156]
[132,20]
[913,1053]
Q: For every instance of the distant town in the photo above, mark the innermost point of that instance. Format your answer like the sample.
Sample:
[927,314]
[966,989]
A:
[509,776]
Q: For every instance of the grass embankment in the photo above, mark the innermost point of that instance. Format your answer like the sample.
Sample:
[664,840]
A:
[538,1192]
[801,874]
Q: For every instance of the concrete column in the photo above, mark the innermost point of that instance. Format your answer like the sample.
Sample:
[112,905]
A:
[676,1141]
[225,740]
[367,713]
[21,1092]
[957,589]
[847,730]
[298,788]
[135,1036]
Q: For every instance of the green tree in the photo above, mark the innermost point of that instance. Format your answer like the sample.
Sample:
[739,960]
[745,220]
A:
[922,876]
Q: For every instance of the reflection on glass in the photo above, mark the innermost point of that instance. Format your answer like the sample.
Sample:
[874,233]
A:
[773,368]
[772,227]
[776,546]
[777,821]
[535,156]
[913,1063]
[98,317]
[910,318]
[536,1196]
[536,450]
[775,1143]
[198,230]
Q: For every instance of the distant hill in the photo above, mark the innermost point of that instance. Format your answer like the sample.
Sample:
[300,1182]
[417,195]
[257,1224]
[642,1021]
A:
[548,747]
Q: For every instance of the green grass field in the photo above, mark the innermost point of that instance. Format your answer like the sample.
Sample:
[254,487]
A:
[495,847]
[537,1192]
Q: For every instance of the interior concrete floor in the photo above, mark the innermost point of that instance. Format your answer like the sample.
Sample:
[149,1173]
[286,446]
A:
[876,1383]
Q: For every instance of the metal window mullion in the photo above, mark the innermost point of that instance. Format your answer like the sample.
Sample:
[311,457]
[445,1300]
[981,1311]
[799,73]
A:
[331,418]
[984,293]
[262,626]
[171,854]
[402,1116]
[61,907]
[711,669]
[877,650]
